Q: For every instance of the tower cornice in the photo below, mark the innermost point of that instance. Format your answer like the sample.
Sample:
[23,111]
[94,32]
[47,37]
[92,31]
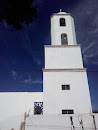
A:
[61,15]
[67,70]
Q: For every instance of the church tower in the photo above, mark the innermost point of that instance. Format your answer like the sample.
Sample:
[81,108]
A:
[65,84]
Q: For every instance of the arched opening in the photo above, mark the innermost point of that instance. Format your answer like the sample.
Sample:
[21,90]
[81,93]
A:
[62,22]
[64,40]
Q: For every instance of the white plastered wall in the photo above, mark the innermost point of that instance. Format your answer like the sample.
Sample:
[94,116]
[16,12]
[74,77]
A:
[56,99]
[63,57]
[63,65]
[13,105]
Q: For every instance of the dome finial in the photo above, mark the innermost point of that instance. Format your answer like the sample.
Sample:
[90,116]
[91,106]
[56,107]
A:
[60,10]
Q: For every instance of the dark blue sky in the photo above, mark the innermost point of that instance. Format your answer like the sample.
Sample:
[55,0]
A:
[22,51]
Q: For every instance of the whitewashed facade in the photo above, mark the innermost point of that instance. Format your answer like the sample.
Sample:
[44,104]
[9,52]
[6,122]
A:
[14,105]
[64,66]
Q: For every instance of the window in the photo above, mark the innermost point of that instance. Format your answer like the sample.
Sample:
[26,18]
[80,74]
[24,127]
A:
[65,87]
[62,22]
[67,111]
[38,108]
[64,40]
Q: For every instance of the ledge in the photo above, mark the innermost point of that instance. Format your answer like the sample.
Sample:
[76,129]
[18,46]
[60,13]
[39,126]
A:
[62,46]
[61,15]
[67,70]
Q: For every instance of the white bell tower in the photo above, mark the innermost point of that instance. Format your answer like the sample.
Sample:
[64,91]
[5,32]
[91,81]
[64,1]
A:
[65,84]
[62,27]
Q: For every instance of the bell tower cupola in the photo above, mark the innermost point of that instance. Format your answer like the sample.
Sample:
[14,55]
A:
[62,29]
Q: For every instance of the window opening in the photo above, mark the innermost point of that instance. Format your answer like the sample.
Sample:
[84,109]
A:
[67,111]
[64,40]
[62,22]
[65,87]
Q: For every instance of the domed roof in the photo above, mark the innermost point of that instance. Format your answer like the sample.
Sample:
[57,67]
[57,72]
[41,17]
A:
[61,13]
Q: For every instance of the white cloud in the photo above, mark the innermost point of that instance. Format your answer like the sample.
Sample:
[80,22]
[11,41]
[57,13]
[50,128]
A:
[90,53]
[28,47]
[88,47]
[95,62]
[14,74]
[30,80]
[94,31]
[87,29]
[22,78]
[37,61]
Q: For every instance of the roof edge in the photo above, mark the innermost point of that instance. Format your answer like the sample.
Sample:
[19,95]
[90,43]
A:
[61,14]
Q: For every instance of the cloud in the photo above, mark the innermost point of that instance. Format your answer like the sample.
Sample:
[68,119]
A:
[89,47]
[30,80]
[90,53]
[27,46]
[87,29]
[25,78]
[14,74]
[37,61]
[94,31]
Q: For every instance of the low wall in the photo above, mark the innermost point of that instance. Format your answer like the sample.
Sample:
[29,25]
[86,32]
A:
[62,122]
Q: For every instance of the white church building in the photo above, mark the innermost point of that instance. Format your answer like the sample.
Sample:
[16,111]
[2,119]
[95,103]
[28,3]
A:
[65,84]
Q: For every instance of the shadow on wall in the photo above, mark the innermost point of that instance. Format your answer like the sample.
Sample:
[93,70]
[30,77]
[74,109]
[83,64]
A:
[22,126]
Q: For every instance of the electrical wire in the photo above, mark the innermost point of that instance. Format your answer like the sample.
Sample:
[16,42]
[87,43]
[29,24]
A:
[38,70]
